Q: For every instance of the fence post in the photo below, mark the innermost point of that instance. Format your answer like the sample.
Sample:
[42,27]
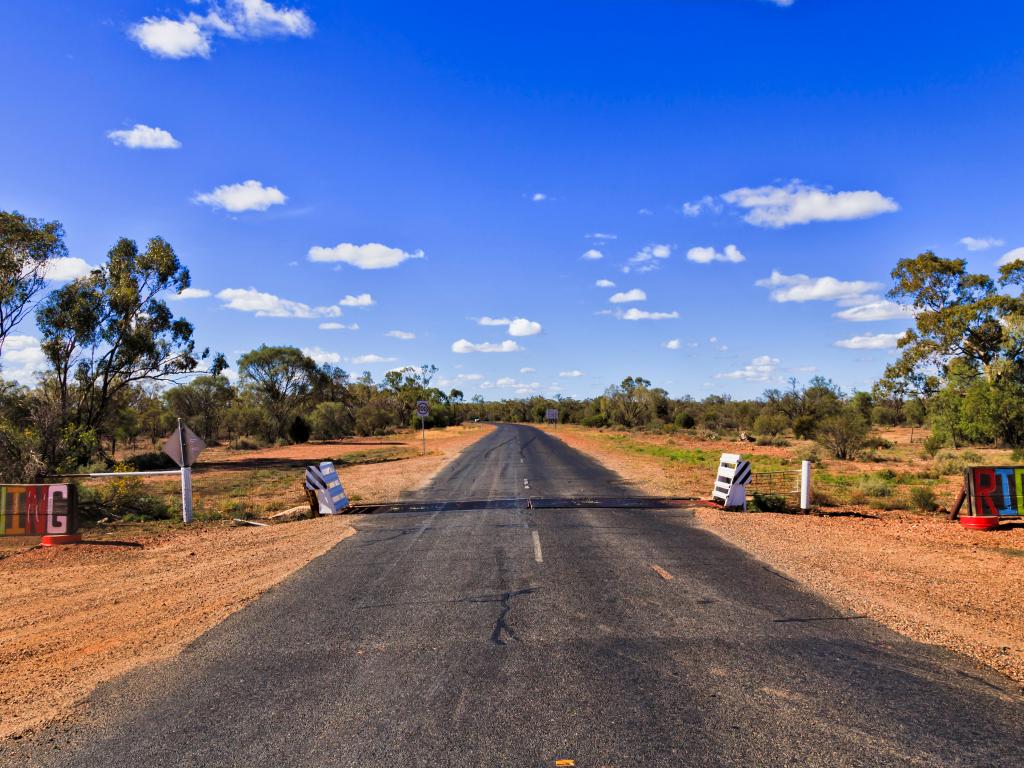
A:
[805,486]
[186,494]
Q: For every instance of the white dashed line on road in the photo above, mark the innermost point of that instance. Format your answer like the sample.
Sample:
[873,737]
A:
[537,554]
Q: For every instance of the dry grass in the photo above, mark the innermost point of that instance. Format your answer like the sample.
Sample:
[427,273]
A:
[917,573]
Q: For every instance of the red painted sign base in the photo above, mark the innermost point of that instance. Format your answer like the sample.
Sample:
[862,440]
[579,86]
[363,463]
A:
[57,540]
[979,522]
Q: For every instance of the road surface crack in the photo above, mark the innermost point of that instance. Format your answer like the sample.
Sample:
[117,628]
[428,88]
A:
[502,629]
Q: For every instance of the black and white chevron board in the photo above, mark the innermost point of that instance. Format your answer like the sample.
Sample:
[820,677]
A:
[731,482]
[323,480]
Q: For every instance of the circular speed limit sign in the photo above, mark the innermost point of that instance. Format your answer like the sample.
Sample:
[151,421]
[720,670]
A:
[422,408]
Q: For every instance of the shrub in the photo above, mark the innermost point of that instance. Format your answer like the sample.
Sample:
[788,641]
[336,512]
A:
[808,453]
[331,420]
[768,502]
[843,434]
[875,486]
[124,498]
[299,430]
[247,444]
[932,444]
[770,424]
[685,421]
[956,462]
[147,462]
[876,442]
[772,440]
[922,498]
[804,427]
[595,420]
[1017,455]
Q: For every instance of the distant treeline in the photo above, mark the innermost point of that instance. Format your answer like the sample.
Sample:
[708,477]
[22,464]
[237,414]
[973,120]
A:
[120,368]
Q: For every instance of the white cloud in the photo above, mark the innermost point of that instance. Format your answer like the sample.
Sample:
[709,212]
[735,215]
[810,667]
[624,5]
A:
[652,252]
[362,300]
[604,284]
[876,310]
[980,243]
[871,341]
[369,256]
[462,346]
[593,255]
[269,305]
[802,288]
[65,268]
[404,335]
[259,18]
[782,3]
[573,374]
[1010,256]
[523,327]
[22,358]
[601,236]
[706,203]
[193,34]
[363,359]
[645,212]
[144,137]
[624,297]
[760,369]
[641,314]
[701,255]
[339,326]
[248,195]
[171,39]
[538,197]
[671,344]
[485,320]
[321,356]
[527,370]
[190,293]
[798,203]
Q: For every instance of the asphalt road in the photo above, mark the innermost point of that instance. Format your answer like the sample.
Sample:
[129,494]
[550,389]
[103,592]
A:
[508,636]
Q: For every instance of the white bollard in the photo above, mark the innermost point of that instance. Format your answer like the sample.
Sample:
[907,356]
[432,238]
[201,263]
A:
[186,494]
[805,486]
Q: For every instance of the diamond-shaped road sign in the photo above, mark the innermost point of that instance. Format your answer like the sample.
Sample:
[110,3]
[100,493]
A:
[194,445]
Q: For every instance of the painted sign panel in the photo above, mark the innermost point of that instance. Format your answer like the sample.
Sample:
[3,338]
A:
[996,491]
[38,510]
[551,414]
[323,480]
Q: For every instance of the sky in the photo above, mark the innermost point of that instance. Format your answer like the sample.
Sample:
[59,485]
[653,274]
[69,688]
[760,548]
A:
[538,198]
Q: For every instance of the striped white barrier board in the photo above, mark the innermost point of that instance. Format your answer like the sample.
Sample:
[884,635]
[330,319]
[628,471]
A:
[731,482]
[323,480]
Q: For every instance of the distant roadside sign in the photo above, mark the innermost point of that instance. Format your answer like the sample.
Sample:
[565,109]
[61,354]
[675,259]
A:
[551,414]
[193,445]
[422,408]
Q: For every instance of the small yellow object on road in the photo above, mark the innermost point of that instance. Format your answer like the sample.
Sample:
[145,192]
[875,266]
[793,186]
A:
[565,762]
[662,572]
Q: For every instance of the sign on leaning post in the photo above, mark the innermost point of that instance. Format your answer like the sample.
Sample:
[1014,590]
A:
[551,415]
[184,447]
[423,410]
[995,492]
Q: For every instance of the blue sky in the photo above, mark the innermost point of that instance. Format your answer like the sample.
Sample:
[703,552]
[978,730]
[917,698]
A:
[749,171]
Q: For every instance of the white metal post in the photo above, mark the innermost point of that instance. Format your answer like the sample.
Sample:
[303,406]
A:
[423,429]
[805,486]
[186,494]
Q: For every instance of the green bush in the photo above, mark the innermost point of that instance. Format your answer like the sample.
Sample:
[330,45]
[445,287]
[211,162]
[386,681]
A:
[922,498]
[877,442]
[124,498]
[768,502]
[875,486]
[596,420]
[148,462]
[843,434]
[685,420]
[956,462]
[331,420]
[770,424]
[299,431]
[932,445]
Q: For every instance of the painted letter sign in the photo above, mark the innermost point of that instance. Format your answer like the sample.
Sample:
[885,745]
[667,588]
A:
[38,510]
[995,491]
